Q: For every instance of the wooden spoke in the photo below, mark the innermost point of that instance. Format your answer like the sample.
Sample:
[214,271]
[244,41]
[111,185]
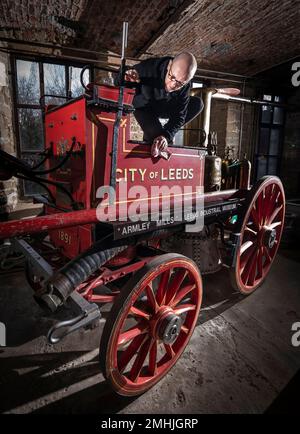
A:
[128,335]
[130,351]
[250,231]
[151,297]
[275,214]
[184,308]
[175,285]
[139,312]
[152,359]
[139,361]
[246,246]
[182,293]
[163,286]
[169,351]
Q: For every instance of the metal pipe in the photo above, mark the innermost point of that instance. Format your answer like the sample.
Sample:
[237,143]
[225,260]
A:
[59,47]
[108,66]
[241,125]
[224,73]
[239,99]
[113,172]
[206,115]
[124,39]
[45,223]
[34,225]
[100,53]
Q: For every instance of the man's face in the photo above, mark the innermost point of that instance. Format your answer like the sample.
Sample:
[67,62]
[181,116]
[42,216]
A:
[176,76]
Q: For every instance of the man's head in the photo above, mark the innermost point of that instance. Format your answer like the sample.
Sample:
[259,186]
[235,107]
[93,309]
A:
[180,71]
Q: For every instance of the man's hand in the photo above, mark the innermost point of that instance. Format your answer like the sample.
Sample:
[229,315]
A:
[132,75]
[160,144]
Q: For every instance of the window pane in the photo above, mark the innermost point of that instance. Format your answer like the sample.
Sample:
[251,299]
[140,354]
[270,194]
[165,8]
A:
[266,114]
[272,169]
[196,85]
[74,74]
[30,187]
[28,82]
[33,159]
[278,116]
[267,97]
[264,141]
[50,100]
[54,82]
[30,129]
[261,167]
[274,142]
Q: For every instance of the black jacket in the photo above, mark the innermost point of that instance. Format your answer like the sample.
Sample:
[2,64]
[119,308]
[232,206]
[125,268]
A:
[151,94]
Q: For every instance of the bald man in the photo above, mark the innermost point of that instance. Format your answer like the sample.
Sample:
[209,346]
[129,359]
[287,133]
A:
[163,92]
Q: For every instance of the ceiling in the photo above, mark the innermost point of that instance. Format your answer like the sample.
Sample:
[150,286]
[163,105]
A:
[243,37]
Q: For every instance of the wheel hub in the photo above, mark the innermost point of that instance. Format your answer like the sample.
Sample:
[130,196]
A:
[169,329]
[269,237]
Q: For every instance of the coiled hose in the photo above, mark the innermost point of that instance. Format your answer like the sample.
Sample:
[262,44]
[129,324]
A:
[68,278]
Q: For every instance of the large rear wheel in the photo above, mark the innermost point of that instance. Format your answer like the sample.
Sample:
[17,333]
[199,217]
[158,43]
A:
[260,234]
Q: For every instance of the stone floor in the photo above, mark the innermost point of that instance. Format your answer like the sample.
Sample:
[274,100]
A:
[239,359]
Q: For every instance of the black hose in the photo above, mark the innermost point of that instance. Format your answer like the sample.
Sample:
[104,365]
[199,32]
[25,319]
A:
[59,165]
[73,204]
[68,278]
[40,163]
[81,77]
[25,178]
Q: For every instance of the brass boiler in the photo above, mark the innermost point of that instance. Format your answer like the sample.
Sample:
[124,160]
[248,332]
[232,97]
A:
[213,166]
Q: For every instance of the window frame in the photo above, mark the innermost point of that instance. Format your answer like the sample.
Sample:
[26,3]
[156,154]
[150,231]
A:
[270,126]
[40,60]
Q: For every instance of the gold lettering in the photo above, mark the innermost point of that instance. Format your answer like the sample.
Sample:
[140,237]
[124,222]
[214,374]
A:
[184,173]
[119,171]
[178,173]
[163,177]
[172,174]
[142,172]
[64,236]
[132,171]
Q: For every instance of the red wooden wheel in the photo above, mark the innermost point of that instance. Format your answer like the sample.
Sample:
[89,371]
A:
[261,231]
[150,323]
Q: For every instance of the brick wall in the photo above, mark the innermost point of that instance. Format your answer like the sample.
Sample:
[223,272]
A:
[234,36]
[235,126]
[136,132]
[249,130]
[8,189]
[226,121]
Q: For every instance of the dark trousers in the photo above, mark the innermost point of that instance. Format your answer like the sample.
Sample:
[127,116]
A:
[149,119]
